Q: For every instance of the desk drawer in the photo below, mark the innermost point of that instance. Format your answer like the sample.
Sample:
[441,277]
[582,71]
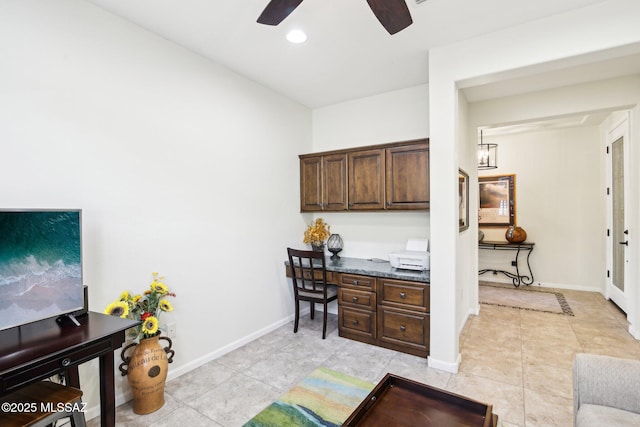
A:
[403,328]
[357,322]
[357,298]
[356,281]
[404,294]
[50,366]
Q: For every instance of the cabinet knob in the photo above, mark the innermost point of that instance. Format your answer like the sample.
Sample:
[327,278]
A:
[355,322]
[354,299]
[355,282]
[403,295]
[66,362]
[403,328]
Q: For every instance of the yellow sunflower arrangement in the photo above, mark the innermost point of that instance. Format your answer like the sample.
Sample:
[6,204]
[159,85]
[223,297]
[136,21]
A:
[317,233]
[146,307]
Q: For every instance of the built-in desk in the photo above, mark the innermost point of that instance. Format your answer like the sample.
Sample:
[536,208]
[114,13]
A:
[381,305]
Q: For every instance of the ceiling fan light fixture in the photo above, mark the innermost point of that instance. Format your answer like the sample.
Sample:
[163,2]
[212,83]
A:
[297,36]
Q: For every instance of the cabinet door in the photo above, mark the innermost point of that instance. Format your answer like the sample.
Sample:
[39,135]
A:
[404,330]
[407,183]
[366,179]
[311,184]
[357,324]
[334,182]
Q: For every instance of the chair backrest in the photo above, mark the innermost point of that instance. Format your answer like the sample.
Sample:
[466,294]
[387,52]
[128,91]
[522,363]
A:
[308,271]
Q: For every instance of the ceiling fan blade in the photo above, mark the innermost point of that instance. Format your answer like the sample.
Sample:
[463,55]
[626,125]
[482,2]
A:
[393,14]
[277,10]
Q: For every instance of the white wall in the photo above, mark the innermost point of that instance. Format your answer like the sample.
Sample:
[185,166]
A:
[574,35]
[180,166]
[560,202]
[394,116]
[466,239]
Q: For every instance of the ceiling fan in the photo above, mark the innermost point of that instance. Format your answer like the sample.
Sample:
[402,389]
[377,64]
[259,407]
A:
[393,14]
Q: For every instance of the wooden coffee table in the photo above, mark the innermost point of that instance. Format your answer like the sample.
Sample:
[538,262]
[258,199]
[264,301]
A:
[400,402]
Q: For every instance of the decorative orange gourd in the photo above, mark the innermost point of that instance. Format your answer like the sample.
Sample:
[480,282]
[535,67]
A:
[515,234]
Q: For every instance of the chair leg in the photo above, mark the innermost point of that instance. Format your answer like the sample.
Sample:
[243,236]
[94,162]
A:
[312,309]
[77,419]
[295,323]
[324,322]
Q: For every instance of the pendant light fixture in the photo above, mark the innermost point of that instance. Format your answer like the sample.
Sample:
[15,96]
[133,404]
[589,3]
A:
[487,155]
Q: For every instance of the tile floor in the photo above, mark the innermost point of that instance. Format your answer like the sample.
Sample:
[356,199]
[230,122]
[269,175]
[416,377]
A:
[518,360]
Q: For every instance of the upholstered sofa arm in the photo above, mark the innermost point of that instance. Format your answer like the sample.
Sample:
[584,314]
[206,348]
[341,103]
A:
[606,381]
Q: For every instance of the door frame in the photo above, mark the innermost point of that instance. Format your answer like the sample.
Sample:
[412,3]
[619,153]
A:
[619,129]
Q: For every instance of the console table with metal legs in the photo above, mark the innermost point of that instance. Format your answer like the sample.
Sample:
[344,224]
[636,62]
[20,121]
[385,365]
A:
[524,247]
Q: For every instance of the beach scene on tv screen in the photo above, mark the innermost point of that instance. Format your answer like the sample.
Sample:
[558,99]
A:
[40,265]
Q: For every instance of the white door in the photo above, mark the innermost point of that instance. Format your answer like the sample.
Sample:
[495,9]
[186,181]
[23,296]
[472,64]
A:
[617,147]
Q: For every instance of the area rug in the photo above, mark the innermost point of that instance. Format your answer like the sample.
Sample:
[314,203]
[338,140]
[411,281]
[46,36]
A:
[524,298]
[324,398]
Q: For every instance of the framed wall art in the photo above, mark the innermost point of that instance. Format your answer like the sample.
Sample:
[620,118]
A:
[463,200]
[497,204]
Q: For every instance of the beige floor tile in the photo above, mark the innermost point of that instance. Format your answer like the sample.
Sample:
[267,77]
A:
[551,380]
[126,417]
[484,341]
[502,367]
[552,353]
[507,399]
[542,410]
[236,401]
[198,382]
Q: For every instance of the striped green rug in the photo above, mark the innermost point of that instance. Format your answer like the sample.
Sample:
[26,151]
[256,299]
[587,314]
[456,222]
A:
[324,398]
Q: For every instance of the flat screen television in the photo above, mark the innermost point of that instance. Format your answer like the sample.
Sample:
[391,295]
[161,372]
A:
[40,265]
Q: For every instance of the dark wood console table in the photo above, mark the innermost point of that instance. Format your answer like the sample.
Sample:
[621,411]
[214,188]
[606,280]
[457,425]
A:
[517,278]
[39,350]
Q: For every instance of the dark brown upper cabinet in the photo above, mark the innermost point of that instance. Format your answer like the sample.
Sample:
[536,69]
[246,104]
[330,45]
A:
[323,183]
[374,178]
[407,180]
[366,180]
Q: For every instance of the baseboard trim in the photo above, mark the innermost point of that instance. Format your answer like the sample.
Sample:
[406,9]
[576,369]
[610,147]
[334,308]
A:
[445,366]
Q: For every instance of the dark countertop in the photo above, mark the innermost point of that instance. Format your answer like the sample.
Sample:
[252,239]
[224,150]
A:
[375,267]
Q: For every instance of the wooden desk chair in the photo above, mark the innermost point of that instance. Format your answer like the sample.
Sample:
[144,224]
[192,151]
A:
[41,404]
[309,276]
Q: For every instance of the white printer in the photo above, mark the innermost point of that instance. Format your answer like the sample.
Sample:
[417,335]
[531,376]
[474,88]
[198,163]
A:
[414,257]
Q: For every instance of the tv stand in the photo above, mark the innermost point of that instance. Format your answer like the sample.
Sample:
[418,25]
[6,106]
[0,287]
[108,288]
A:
[39,350]
[69,316]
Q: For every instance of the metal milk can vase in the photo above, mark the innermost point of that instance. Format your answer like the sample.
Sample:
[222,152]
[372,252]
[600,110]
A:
[146,370]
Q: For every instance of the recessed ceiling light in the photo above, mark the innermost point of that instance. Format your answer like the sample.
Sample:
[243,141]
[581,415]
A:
[296,36]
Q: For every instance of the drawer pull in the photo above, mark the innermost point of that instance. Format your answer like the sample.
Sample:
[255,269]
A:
[403,328]
[66,362]
[355,282]
[354,299]
[403,295]
[355,322]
